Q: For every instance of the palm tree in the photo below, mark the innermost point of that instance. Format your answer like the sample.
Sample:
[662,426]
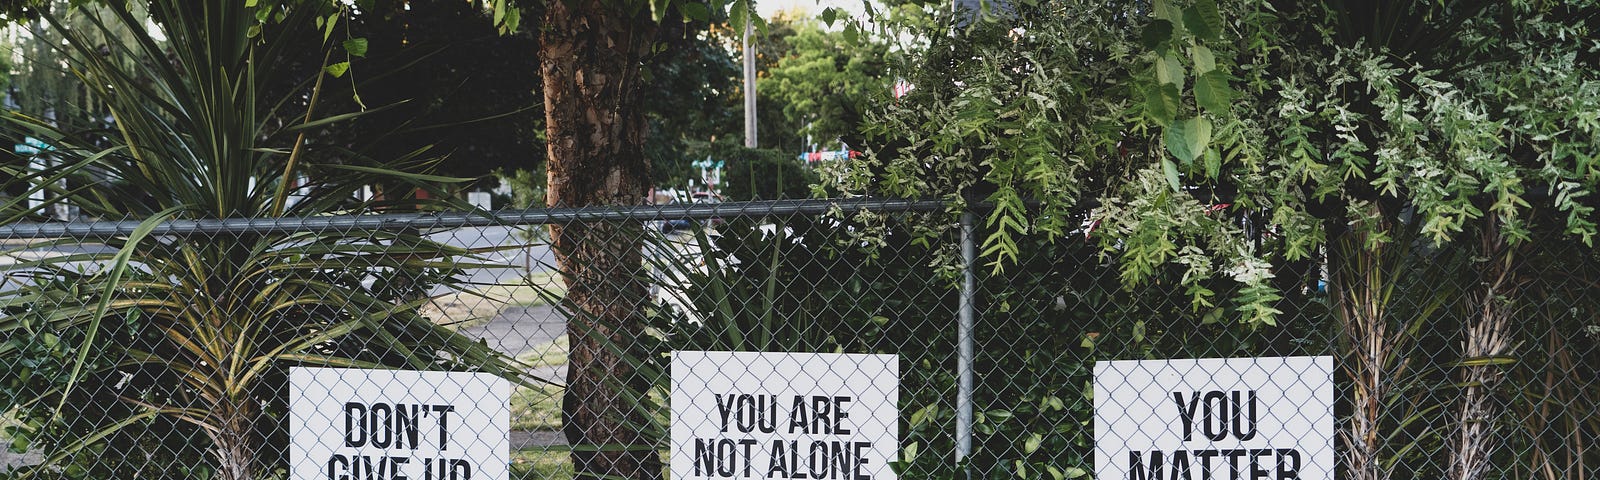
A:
[173,348]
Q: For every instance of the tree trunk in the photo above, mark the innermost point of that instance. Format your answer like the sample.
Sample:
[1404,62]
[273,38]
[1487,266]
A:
[1487,337]
[590,55]
[234,443]
[1362,272]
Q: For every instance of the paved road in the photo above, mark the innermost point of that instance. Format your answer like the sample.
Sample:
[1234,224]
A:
[521,257]
[519,330]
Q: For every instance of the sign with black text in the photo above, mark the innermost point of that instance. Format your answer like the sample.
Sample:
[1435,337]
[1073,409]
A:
[817,416]
[1268,418]
[360,424]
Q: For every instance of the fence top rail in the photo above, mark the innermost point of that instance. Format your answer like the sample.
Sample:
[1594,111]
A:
[479,218]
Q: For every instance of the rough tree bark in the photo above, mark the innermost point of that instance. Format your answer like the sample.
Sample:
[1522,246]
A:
[1486,339]
[590,55]
[235,441]
[1362,272]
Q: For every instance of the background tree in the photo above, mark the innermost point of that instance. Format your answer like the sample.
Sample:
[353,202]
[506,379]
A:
[478,107]
[478,104]
[826,81]
[590,52]
[1248,141]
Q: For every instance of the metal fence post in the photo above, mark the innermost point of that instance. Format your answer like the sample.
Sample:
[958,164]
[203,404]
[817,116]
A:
[965,317]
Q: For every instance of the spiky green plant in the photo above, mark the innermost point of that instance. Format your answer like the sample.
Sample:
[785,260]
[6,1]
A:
[173,350]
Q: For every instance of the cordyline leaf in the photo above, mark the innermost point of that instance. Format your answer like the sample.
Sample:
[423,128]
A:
[303,343]
[118,269]
[88,440]
[399,174]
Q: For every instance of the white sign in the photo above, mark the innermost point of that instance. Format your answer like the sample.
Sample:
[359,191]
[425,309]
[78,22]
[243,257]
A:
[1214,419]
[758,415]
[480,200]
[348,424]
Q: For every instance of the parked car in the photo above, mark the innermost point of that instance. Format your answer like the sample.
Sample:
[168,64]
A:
[680,224]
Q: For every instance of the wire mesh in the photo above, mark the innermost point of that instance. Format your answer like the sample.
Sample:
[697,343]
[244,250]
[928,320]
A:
[183,350]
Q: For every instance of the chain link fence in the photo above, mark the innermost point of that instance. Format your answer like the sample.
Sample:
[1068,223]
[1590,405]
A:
[247,348]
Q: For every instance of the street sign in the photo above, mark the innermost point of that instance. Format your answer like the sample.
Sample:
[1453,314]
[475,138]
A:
[32,146]
[1257,418]
[818,416]
[348,423]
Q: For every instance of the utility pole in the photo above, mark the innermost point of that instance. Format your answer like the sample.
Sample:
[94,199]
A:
[749,81]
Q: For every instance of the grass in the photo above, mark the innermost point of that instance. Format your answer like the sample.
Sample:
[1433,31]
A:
[552,463]
[479,305]
[541,464]
[540,408]
[552,354]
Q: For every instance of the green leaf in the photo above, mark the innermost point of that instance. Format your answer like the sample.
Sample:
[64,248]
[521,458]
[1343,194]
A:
[828,15]
[1204,60]
[327,28]
[1213,163]
[1204,19]
[337,69]
[695,11]
[1211,92]
[1171,171]
[1165,10]
[1161,104]
[1188,138]
[1487,361]
[1169,70]
[356,47]
[759,23]
[658,9]
[737,14]
[1156,33]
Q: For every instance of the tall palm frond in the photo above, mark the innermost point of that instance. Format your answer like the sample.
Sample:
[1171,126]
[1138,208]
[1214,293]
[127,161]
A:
[177,347]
